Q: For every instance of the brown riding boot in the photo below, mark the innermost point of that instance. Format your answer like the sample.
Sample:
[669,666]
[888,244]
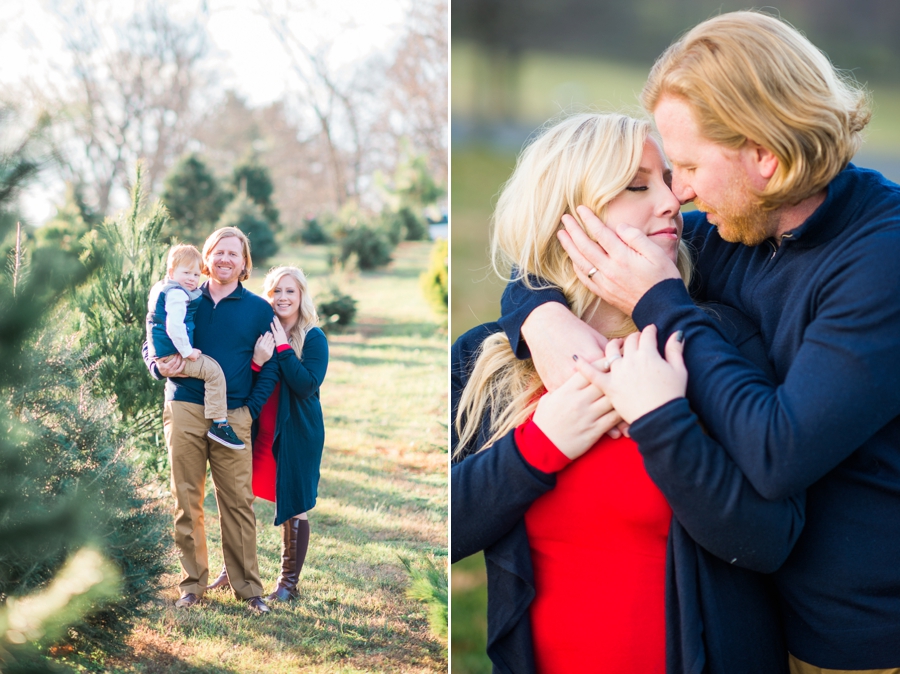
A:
[221,581]
[286,589]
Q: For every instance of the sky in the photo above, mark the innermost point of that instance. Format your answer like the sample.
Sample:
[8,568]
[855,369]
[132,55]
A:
[244,50]
[245,54]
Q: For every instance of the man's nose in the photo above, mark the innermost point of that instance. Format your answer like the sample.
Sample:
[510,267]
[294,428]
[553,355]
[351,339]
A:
[682,190]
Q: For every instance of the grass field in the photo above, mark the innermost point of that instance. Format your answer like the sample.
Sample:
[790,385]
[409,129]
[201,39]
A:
[382,497]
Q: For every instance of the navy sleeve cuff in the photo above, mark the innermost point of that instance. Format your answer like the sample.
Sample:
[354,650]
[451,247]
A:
[662,424]
[660,304]
[517,303]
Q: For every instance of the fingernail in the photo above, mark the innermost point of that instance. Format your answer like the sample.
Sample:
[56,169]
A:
[679,336]
[574,357]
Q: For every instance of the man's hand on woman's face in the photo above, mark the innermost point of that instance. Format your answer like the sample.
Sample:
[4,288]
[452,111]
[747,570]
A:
[618,266]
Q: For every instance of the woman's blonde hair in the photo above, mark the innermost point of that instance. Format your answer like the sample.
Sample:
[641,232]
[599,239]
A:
[751,76]
[308,317]
[223,233]
[588,159]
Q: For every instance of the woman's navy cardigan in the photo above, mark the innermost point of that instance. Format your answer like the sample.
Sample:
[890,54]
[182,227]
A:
[721,613]
[299,427]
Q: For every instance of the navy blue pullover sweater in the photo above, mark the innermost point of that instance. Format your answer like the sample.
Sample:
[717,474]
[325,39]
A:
[825,302]
[227,332]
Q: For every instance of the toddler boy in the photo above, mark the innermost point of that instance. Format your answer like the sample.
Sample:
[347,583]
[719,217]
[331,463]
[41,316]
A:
[170,329]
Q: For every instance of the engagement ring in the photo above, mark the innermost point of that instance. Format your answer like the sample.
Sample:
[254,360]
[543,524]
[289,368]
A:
[610,361]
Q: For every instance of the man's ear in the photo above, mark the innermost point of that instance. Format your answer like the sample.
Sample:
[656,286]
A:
[762,160]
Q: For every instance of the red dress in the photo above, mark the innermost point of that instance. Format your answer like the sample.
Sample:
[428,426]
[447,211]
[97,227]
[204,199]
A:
[263,459]
[598,547]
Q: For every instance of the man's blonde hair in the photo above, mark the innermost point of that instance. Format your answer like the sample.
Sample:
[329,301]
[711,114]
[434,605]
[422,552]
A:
[751,76]
[224,233]
[588,159]
[183,254]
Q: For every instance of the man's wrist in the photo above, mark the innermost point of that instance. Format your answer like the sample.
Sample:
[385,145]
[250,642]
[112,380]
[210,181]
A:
[661,300]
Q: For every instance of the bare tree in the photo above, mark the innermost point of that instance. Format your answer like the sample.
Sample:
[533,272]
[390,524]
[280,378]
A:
[129,93]
[364,111]
[336,103]
[419,74]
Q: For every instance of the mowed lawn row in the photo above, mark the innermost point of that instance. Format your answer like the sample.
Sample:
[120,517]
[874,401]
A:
[382,497]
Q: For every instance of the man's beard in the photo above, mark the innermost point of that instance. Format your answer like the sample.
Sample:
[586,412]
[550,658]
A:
[214,275]
[743,223]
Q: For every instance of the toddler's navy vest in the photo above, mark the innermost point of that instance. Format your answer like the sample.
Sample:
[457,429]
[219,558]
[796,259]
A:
[158,342]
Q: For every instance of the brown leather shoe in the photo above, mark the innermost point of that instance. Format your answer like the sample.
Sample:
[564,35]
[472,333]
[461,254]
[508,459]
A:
[286,588]
[187,600]
[257,605]
[220,582]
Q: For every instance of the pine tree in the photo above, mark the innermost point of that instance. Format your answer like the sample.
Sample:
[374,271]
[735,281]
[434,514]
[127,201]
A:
[74,218]
[253,179]
[130,257]
[244,214]
[411,190]
[69,499]
[195,201]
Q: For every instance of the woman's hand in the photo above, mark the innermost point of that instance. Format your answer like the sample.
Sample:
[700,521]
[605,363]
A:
[575,416]
[636,379]
[265,347]
[278,333]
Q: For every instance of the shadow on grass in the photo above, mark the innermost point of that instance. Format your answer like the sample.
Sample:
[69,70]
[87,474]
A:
[321,626]
[351,344]
[392,271]
[363,361]
[159,661]
[373,328]
[387,430]
[151,652]
[396,497]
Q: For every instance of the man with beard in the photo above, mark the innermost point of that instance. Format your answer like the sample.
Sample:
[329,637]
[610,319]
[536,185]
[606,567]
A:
[760,130]
[228,322]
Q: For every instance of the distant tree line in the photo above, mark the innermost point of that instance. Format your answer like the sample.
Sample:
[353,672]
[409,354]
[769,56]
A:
[860,35]
[143,88]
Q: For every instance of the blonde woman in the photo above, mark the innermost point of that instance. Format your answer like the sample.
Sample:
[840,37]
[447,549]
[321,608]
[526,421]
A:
[587,569]
[290,433]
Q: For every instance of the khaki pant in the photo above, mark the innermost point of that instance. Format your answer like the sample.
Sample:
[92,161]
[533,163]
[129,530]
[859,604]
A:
[800,667]
[189,452]
[215,400]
